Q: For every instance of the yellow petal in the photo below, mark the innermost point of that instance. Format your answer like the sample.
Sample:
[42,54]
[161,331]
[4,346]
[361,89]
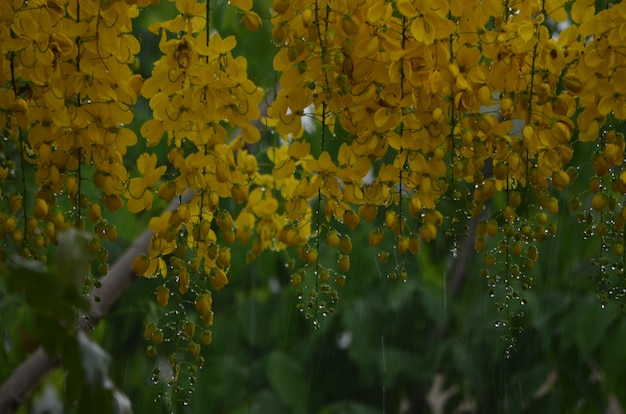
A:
[219,279]
[582,10]
[326,163]
[252,21]
[146,162]
[423,31]
[299,149]
[152,130]
[284,170]
[406,9]
[367,47]
[381,117]
[606,105]
[185,6]
[555,10]
[526,31]
[362,166]
[380,10]
[265,207]
[244,5]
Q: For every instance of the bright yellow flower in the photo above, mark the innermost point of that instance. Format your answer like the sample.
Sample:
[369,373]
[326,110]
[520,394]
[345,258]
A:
[140,192]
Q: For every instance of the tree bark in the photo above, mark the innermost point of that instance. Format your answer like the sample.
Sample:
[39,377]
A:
[24,379]
[462,261]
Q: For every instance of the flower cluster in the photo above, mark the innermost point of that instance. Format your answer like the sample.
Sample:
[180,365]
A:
[434,103]
[67,98]
[200,95]
[424,113]
[594,81]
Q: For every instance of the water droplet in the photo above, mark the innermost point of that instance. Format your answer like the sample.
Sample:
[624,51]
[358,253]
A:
[185,402]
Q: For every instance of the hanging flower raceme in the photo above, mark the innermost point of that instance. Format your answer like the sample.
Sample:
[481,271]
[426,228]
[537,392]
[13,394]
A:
[441,101]
[199,93]
[67,98]
[140,189]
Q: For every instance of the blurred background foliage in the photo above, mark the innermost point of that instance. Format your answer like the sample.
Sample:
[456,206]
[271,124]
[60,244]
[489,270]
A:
[393,347]
[427,345]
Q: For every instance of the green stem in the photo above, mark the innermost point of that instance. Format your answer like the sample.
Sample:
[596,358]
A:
[20,136]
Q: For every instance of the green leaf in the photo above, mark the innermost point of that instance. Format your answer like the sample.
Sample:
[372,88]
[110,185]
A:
[614,358]
[75,374]
[96,400]
[88,380]
[265,401]
[349,407]
[51,334]
[73,257]
[288,380]
[95,361]
[587,324]
[19,273]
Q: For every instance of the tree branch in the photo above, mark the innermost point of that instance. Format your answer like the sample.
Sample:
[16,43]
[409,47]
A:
[24,379]
[38,365]
[461,263]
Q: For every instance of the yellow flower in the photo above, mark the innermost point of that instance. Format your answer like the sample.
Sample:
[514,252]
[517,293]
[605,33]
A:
[140,189]
[252,21]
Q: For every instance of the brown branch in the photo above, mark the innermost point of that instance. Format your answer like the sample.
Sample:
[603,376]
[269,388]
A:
[461,263]
[39,364]
[24,379]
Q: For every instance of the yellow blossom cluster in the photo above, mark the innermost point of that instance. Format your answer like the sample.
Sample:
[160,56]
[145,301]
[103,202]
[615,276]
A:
[67,97]
[199,94]
[200,97]
[434,101]
[425,113]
